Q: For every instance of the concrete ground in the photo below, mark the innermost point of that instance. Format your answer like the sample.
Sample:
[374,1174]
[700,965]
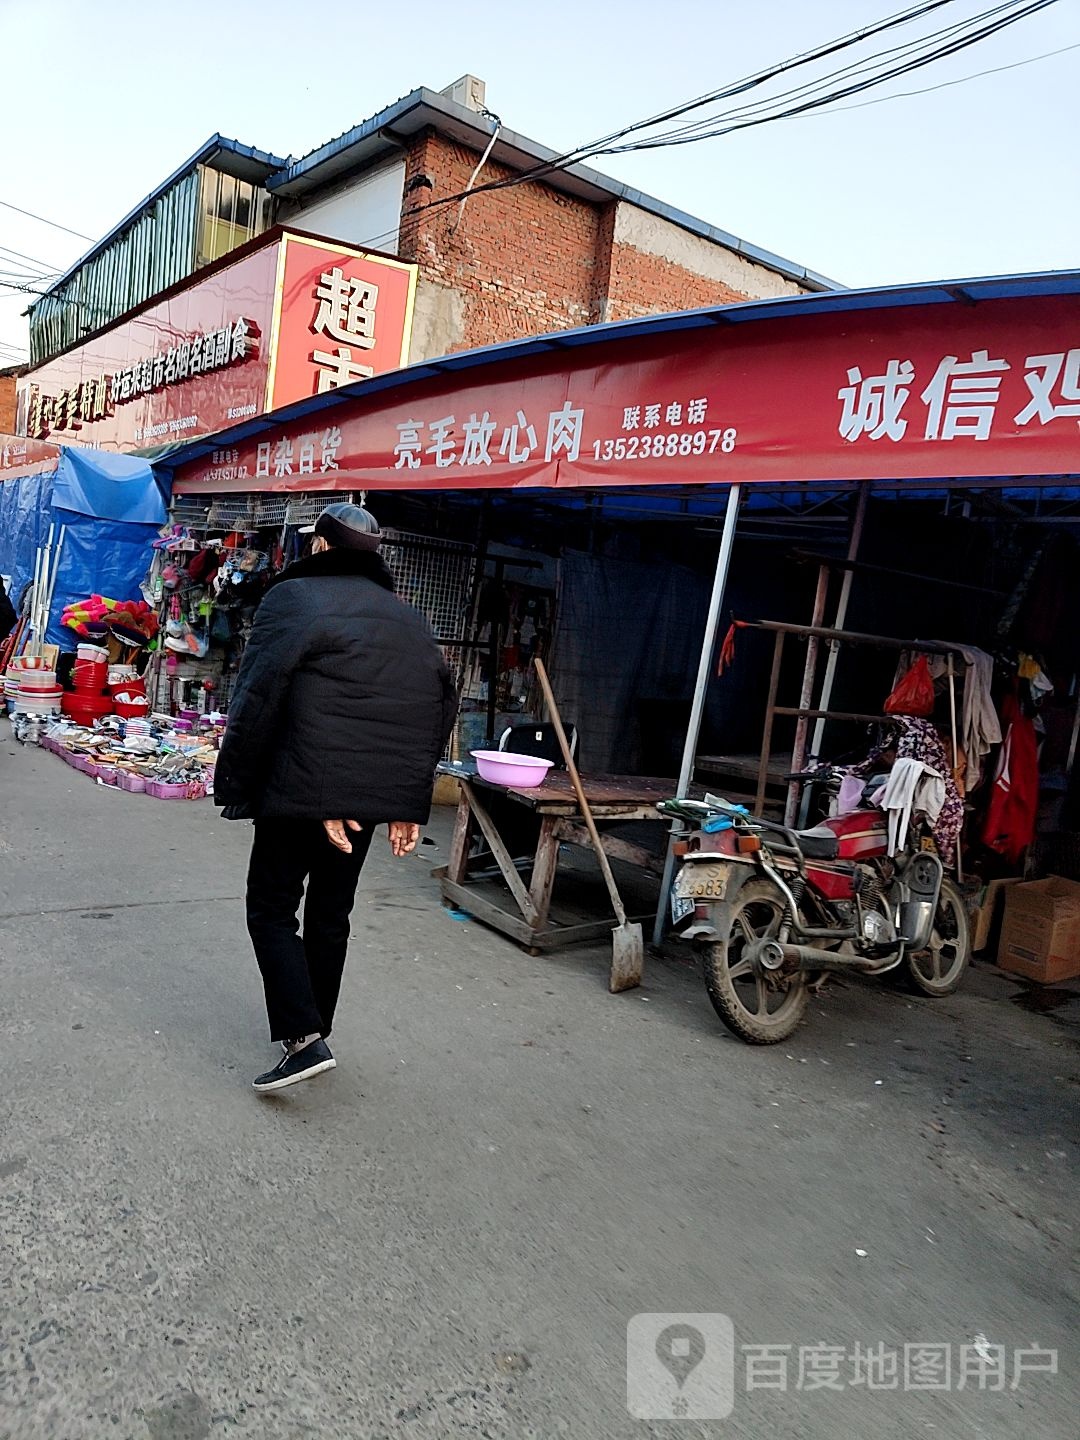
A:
[449,1234]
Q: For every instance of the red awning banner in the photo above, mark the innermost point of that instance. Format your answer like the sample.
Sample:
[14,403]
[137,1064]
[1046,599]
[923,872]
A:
[912,393]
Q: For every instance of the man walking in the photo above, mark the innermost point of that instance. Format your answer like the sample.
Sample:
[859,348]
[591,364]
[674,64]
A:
[342,710]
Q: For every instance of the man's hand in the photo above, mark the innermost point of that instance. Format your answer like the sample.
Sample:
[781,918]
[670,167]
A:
[403,837]
[338,834]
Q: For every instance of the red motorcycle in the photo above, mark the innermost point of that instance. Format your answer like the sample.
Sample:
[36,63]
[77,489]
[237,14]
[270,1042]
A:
[774,910]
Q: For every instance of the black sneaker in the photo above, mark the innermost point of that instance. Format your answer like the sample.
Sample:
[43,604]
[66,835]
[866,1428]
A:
[299,1065]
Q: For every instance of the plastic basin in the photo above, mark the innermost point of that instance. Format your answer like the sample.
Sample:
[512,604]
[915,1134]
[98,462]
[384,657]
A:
[86,708]
[90,676]
[519,772]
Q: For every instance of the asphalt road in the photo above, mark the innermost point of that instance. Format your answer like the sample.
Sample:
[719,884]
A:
[449,1234]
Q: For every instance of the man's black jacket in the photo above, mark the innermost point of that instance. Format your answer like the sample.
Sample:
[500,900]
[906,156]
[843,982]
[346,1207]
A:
[344,703]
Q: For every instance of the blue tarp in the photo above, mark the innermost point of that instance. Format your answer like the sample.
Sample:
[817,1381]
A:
[113,507]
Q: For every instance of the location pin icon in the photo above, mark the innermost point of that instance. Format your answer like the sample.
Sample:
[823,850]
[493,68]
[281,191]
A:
[680,1349]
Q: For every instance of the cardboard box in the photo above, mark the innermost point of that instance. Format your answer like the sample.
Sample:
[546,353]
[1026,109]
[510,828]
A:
[989,912]
[1040,938]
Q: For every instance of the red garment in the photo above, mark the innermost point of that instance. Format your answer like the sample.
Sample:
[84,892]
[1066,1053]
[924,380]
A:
[1009,827]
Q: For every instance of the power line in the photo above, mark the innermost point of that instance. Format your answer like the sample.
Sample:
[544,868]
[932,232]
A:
[945,84]
[761,77]
[67,229]
[740,120]
[25,289]
[31,260]
[999,20]
[865,66]
[582,152]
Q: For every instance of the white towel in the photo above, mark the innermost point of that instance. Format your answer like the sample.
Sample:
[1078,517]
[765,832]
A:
[912,785]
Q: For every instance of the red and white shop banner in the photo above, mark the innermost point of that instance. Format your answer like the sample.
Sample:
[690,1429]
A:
[291,318]
[919,392]
[20,456]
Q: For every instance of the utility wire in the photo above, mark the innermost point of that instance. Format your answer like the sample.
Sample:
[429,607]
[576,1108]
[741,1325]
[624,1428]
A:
[946,84]
[30,260]
[606,146]
[865,65]
[727,124]
[571,157]
[19,211]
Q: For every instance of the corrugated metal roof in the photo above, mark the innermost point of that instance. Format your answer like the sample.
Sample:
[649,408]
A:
[746,312]
[235,158]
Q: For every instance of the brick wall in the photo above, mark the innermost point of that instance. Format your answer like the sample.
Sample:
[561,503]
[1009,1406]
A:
[7,404]
[643,284]
[528,259]
[523,259]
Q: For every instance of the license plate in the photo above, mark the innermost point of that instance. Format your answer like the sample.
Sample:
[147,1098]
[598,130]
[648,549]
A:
[702,881]
[680,908]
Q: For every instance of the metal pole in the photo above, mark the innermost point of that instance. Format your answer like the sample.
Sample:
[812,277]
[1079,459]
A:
[955,754]
[802,725]
[701,687]
[33,603]
[52,578]
[841,616]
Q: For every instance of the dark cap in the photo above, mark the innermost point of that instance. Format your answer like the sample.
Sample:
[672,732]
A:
[349,526]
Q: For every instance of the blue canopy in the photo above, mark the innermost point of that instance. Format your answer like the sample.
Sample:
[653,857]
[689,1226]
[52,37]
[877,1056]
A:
[112,506]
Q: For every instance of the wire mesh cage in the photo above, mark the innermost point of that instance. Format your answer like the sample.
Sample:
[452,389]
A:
[253,511]
[436,576]
[190,512]
[231,512]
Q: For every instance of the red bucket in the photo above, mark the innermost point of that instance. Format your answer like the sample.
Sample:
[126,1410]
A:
[86,708]
[128,687]
[133,709]
[90,676]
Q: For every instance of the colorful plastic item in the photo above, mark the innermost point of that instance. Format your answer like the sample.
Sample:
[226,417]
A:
[517,772]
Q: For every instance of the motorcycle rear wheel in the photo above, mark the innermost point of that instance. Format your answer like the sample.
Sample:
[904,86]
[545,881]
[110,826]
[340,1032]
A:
[738,996]
[938,969]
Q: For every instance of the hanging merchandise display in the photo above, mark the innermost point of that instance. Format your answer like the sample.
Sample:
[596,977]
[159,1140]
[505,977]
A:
[914,693]
[917,739]
[1009,827]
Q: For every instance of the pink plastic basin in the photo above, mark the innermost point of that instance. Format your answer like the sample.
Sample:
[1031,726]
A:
[519,772]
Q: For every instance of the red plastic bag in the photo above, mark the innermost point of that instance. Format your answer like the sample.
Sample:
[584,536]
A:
[913,693]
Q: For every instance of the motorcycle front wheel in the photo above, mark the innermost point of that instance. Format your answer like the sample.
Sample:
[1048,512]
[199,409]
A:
[939,968]
[747,1005]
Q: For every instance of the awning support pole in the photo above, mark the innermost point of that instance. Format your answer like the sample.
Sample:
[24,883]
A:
[806,698]
[701,688]
[841,616]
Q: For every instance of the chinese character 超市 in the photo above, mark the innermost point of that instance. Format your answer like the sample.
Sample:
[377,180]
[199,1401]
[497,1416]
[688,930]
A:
[346,309]
[339,368]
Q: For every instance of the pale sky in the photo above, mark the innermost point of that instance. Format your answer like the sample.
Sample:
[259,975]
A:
[101,99]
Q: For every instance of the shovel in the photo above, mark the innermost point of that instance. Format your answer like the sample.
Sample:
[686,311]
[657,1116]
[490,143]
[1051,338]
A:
[627,945]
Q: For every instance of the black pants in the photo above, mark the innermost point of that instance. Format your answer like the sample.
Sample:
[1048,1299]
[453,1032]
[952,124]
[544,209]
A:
[301,977]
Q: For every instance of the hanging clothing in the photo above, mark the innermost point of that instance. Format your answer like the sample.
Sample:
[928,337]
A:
[1009,827]
[912,786]
[980,729]
[1030,670]
[919,740]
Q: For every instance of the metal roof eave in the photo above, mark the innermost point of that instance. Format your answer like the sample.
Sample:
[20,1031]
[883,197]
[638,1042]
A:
[952,292]
[384,133]
[243,161]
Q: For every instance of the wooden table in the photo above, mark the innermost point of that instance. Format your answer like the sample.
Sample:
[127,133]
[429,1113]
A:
[615,799]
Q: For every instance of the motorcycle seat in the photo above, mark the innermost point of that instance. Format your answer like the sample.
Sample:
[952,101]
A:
[819,843]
